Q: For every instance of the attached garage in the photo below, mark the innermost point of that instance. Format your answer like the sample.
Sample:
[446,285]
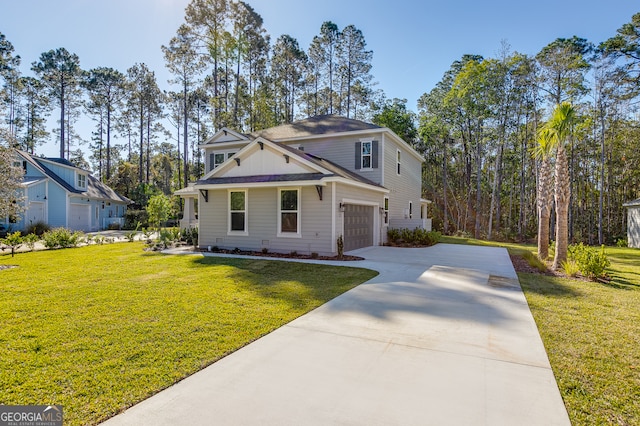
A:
[358,226]
[80,217]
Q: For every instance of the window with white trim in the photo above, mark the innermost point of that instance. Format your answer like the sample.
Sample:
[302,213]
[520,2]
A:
[218,159]
[289,212]
[238,211]
[82,180]
[366,155]
[398,162]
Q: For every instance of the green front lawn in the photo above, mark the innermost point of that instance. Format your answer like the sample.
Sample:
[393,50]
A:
[591,331]
[100,328]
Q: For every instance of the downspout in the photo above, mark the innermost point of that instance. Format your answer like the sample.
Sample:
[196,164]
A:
[334,247]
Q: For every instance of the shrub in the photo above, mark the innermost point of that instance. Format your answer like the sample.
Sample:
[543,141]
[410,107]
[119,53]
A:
[62,238]
[135,219]
[417,237]
[340,244]
[14,241]
[37,228]
[114,226]
[592,263]
[190,236]
[622,242]
[30,240]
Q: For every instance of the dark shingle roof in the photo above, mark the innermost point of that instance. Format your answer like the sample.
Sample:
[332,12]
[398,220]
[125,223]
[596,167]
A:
[95,188]
[318,125]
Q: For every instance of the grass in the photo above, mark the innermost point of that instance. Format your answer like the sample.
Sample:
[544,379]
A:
[100,328]
[591,331]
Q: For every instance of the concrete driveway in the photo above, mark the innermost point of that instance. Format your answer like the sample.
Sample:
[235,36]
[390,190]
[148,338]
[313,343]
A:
[443,336]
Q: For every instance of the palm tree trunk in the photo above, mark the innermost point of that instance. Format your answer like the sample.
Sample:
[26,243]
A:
[562,196]
[544,208]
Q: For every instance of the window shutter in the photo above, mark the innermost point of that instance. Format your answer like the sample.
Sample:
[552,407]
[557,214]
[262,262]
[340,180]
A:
[211,161]
[374,154]
[358,155]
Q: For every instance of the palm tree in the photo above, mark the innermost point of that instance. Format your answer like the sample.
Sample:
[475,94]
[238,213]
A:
[544,198]
[557,132]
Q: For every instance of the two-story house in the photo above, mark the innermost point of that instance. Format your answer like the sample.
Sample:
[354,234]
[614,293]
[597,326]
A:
[57,193]
[299,186]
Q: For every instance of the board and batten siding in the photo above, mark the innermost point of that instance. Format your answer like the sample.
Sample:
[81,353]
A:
[403,188]
[58,203]
[262,222]
[633,226]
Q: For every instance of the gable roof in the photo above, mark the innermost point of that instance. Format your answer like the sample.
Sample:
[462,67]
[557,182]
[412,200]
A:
[314,126]
[324,169]
[95,188]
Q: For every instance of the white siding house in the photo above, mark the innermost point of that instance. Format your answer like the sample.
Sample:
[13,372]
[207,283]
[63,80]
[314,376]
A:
[300,186]
[633,223]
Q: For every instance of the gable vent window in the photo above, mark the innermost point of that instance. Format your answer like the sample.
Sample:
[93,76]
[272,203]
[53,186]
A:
[366,155]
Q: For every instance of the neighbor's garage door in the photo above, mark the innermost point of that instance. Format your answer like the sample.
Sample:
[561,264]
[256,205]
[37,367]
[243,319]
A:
[80,217]
[358,227]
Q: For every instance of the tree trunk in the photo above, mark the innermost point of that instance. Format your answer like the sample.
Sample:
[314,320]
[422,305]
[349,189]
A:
[562,196]
[544,208]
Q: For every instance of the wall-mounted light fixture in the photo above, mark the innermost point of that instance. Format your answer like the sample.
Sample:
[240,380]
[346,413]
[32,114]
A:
[342,206]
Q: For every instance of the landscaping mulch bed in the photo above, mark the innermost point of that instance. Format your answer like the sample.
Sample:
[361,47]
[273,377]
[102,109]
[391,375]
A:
[281,255]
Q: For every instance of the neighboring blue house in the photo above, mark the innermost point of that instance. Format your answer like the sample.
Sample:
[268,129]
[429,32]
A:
[62,195]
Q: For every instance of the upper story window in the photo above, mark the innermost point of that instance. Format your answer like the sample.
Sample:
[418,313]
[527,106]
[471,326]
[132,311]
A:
[366,155]
[217,158]
[82,181]
[398,162]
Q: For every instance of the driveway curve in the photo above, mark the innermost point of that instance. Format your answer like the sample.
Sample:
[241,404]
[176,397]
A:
[442,336]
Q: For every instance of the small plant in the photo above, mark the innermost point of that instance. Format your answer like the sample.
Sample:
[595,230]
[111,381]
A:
[38,228]
[190,236]
[14,241]
[62,238]
[30,240]
[340,244]
[591,262]
[236,250]
[265,250]
[570,268]
[293,253]
[622,242]
[534,261]
[314,255]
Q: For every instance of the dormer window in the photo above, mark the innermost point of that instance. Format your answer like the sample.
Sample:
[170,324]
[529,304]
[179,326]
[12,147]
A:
[82,181]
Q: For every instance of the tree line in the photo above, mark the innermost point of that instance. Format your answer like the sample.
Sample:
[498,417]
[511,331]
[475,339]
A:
[478,128]
[490,171]
[226,71]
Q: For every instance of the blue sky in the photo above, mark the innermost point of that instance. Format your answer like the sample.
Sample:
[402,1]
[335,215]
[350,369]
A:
[413,42]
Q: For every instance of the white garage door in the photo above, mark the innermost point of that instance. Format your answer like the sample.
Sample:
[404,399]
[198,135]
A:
[80,217]
[358,227]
